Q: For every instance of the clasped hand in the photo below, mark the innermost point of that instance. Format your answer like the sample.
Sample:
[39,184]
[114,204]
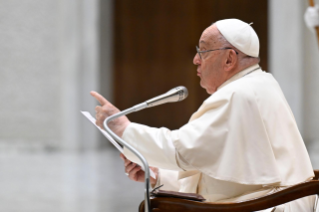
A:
[135,172]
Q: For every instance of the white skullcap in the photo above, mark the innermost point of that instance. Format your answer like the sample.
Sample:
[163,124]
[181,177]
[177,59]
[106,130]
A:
[241,35]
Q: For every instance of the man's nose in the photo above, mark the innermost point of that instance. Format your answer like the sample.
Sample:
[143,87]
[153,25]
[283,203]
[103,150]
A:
[196,59]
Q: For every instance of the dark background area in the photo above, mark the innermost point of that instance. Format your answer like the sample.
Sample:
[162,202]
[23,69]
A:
[154,45]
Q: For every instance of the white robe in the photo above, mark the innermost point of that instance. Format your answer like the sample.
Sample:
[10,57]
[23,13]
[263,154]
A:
[242,143]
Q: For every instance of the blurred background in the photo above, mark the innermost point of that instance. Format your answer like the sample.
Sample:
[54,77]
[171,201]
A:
[54,52]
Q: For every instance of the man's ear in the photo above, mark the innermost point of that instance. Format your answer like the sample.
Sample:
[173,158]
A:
[231,60]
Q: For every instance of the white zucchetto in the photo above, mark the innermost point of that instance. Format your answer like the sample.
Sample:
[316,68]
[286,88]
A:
[241,35]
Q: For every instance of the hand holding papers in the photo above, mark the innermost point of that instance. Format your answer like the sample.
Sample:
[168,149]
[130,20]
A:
[92,120]
[108,112]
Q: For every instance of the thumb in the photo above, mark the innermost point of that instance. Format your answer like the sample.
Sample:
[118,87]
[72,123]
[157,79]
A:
[99,97]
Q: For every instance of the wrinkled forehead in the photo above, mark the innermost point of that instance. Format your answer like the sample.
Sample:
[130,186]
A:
[210,36]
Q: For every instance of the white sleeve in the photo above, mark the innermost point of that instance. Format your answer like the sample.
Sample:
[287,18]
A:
[155,144]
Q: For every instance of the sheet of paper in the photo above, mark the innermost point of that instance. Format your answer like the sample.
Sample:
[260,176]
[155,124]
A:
[93,120]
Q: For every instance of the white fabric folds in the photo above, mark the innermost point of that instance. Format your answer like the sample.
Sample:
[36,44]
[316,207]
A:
[243,133]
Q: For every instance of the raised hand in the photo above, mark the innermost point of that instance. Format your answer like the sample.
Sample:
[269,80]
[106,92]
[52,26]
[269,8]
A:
[107,109]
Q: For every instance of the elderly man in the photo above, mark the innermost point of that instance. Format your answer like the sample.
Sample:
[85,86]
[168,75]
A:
[242,143]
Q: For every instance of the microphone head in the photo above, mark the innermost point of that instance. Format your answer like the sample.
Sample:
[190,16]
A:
[181,91]
[176,94]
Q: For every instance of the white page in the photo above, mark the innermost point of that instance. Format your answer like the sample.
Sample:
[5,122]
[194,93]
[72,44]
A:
[93,120]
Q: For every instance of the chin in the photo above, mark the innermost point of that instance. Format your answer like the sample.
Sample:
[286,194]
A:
[202,84]
[204,87]
[209,92]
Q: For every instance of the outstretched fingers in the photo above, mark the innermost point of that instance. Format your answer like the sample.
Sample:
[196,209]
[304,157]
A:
[99,98]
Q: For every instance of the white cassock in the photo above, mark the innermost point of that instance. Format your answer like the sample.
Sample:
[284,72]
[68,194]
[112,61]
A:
[242,143]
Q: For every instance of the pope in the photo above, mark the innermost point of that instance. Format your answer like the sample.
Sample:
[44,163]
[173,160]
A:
[242,143]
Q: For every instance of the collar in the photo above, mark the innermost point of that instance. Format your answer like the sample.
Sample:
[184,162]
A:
[240,75]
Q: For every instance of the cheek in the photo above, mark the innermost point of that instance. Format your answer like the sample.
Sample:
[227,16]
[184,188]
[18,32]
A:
[210,71]
[211,77]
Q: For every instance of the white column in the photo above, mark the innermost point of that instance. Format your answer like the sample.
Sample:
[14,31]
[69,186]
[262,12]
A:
[294,61]
[49,64]
[105,55]
[30,75]
[286,51]
[80,70]
[311,96]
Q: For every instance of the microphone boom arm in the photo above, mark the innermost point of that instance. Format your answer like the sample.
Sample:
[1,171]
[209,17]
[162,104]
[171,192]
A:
[174,95]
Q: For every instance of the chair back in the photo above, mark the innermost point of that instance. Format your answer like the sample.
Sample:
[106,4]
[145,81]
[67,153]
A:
[316,171]
[165,204]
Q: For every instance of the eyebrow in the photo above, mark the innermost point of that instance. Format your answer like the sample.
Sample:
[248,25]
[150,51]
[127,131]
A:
[202,42]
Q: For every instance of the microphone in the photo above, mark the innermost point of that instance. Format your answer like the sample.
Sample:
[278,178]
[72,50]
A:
[176,94]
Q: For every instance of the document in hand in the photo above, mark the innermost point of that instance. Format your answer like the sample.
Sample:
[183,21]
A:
[92,120]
